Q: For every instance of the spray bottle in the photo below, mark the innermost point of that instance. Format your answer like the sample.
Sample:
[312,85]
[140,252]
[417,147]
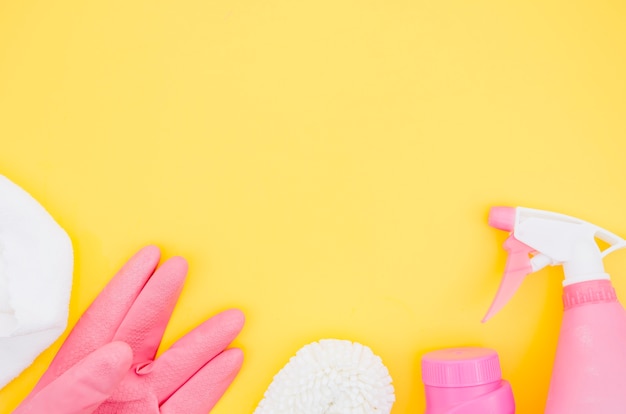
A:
[589,372]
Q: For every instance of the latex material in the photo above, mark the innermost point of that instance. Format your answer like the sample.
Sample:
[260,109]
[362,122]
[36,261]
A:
[36,265]
[589,374]
[134,309]
[465,380]
[83,387]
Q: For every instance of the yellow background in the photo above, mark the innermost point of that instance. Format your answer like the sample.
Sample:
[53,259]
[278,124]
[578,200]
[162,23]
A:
[326,166]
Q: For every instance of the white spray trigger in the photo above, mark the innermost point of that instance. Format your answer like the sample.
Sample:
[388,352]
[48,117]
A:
[551,239]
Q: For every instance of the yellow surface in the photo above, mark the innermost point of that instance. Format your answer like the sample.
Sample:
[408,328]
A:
[326,166]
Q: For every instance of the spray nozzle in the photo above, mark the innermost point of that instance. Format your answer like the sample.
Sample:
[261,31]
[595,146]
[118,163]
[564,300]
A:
[540,238]
[502,218]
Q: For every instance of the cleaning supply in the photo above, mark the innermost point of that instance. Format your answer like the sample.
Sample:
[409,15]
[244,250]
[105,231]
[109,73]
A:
[36,266]
[589,373]
[83,387]
[107,363]
[330,376]
[465,380]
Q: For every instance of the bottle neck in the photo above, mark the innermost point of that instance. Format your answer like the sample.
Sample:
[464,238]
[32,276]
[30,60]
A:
[589,292]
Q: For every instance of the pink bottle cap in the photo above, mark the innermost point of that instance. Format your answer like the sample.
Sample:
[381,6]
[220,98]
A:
[461,367]
[502,218]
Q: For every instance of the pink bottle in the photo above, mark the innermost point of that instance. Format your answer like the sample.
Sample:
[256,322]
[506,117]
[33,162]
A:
[465,381]
[589,373]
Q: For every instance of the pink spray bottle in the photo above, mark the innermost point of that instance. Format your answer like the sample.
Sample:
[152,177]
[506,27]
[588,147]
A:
[589,372]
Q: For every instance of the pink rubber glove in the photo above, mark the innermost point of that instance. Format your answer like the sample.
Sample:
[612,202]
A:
[107,364]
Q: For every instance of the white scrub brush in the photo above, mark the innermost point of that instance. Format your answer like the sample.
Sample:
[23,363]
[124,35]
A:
[331,376]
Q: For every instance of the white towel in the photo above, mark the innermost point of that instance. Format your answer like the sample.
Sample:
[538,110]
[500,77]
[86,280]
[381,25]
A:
[36,264]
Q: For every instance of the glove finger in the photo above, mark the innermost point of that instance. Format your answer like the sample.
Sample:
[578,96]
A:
[83,387]
[143,326]
[101,320]
[200,394]
[191,352]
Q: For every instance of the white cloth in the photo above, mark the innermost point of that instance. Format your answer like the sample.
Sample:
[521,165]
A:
[36,265]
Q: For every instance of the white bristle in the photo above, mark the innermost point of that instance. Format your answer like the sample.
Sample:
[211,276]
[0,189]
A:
[331,376]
